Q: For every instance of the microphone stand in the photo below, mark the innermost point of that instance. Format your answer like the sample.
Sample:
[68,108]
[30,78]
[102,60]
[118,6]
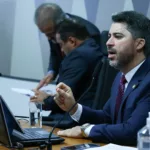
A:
[49,144]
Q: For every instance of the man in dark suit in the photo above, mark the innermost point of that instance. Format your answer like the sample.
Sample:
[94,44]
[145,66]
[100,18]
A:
[82,54]
[127,109]
[47,17]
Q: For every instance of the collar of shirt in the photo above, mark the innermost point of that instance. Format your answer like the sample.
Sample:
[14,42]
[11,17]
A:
[131,73]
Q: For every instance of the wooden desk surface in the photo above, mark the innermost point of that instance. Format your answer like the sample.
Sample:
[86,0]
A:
[67,142]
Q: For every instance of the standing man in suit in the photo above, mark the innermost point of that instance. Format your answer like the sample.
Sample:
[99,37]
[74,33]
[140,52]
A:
[76,69]
[47,17]
[127,108]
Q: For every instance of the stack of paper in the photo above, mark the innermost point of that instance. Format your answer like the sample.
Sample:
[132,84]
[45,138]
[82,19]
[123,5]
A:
[112,147]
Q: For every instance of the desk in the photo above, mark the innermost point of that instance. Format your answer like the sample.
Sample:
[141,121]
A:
[67,142]
[12,98]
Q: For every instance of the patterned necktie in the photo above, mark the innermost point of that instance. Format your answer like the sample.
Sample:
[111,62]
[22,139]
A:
[121,89]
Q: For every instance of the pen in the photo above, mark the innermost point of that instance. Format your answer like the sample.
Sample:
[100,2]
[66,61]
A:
[28,95]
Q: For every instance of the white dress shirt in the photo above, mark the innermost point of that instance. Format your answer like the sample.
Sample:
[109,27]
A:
[76,116]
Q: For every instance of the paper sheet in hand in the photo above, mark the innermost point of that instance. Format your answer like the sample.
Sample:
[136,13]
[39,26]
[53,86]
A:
[112,147]
[50,89]
[23,91]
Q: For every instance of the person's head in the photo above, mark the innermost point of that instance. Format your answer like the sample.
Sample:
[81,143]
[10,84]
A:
[70,34]
[129,40]
[47,17]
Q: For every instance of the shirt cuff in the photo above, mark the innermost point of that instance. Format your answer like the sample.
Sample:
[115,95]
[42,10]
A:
[50,72]
[77,115]
[88,129]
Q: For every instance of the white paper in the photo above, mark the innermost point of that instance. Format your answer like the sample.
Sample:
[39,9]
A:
[30,93]
[112,147]
[23,91]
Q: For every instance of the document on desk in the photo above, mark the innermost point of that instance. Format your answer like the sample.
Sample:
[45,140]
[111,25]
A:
[112,147]
[30,93]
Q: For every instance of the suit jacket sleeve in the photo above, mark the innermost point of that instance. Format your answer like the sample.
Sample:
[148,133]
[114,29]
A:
[55,58]
[70,74]
[73,71]
[49,104]
[123,133]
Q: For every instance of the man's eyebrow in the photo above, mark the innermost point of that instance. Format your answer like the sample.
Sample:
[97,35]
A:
[114,33]
[117,33]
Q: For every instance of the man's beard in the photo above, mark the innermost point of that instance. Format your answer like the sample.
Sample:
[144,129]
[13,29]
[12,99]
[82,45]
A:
[121,61]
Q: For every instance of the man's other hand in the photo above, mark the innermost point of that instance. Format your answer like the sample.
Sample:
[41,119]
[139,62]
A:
[74,132]
[64,98]
[45,81]
[39,96]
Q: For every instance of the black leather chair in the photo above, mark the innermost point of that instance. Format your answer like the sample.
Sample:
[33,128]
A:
[104,78]
[104,38]
[105,75]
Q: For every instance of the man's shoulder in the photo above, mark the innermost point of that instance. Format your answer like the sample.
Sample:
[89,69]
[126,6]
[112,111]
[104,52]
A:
[90,26]
[89,45]
[78,18]
[81,20]
[84,52]
[144,71]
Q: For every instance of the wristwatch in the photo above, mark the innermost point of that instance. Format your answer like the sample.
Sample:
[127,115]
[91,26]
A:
[83,128]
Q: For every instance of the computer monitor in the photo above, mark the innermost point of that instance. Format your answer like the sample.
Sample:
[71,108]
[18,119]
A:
[7,124]
[4,135]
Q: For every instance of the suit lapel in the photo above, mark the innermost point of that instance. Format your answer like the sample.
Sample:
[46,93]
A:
[135,82]
[131,86]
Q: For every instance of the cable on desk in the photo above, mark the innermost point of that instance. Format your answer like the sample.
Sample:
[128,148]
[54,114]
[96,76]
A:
[21,116]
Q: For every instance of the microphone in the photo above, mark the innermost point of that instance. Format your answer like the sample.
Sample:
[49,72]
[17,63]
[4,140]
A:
[94,75]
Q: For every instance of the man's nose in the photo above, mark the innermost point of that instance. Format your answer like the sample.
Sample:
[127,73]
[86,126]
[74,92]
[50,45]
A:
[110,42]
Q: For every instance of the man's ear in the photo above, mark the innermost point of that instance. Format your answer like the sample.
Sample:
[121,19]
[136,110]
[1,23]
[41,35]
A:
[72,41]
[140,43]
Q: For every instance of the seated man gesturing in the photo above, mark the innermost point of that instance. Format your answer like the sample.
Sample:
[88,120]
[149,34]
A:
[127,108]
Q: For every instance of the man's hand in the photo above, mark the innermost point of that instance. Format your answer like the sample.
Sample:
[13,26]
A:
[45,81]
[64,98]
[74,132]
[39,96]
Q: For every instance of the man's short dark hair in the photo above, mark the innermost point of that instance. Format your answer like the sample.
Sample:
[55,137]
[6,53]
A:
[72,28]
[137,24]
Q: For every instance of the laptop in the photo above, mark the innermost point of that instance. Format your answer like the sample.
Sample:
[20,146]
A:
[11,132]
